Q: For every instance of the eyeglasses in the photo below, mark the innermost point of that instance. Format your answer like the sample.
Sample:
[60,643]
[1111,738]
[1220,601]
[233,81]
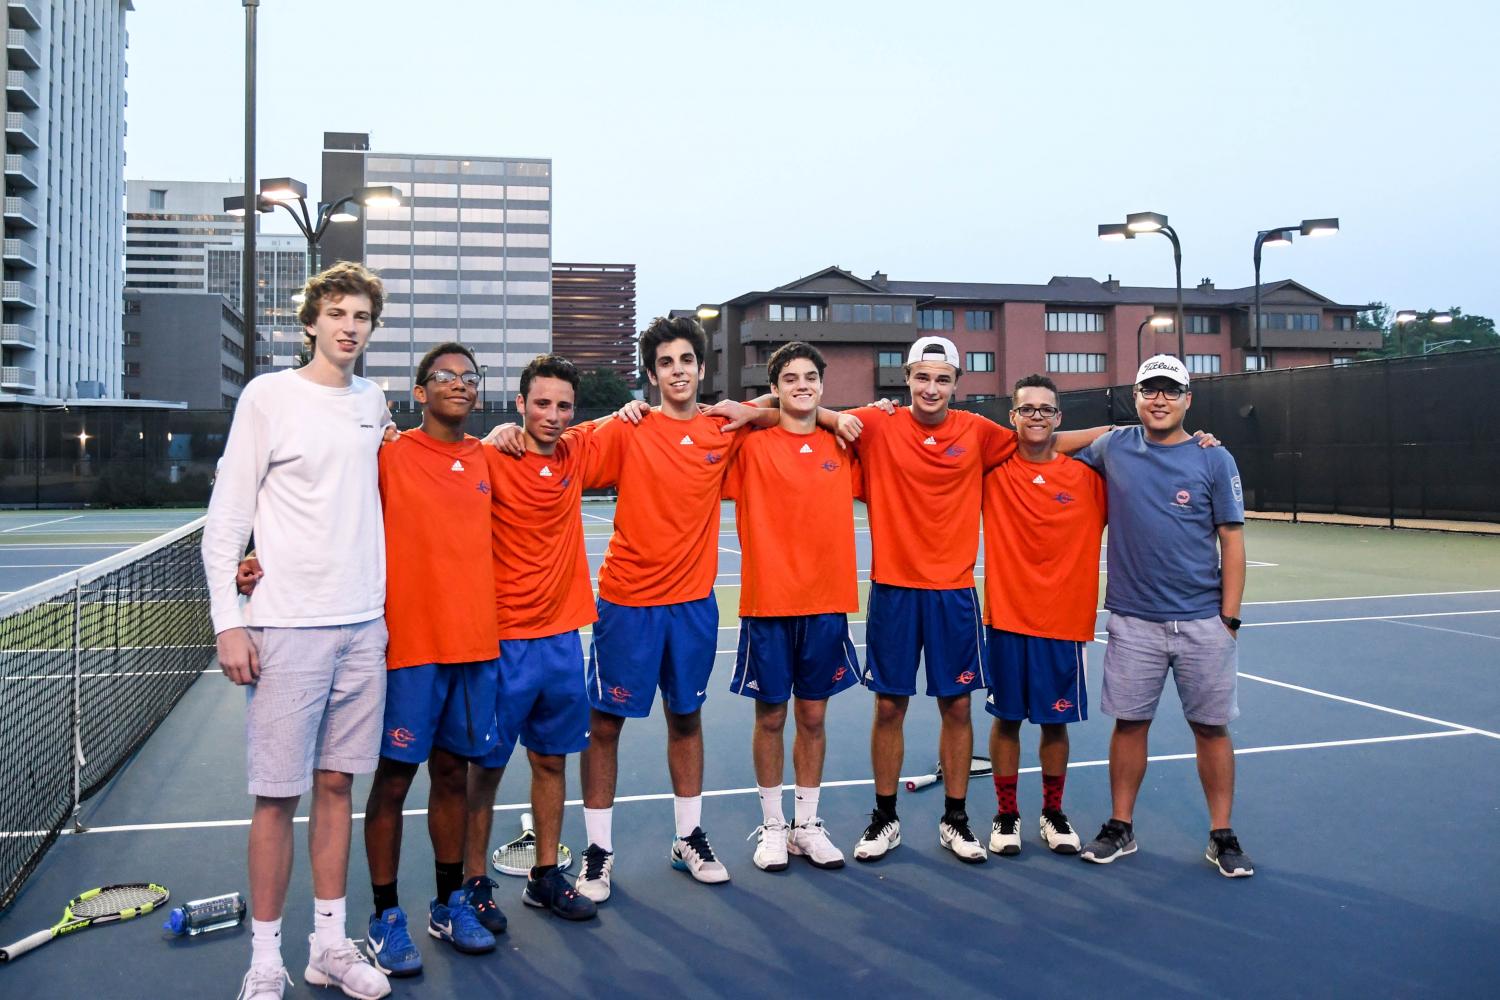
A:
[1171,395]
[1030,411]
[442,377]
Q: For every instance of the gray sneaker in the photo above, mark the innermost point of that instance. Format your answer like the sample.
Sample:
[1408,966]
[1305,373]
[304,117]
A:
[1114,841]
[1224,854]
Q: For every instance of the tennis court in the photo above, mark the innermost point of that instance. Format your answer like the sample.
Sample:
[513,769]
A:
[1369,736]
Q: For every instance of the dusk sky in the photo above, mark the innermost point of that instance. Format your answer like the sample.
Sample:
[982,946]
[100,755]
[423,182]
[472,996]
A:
[728,148]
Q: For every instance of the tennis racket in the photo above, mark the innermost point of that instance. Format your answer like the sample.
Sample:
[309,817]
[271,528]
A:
[97,906]
[978,767]
[519,856]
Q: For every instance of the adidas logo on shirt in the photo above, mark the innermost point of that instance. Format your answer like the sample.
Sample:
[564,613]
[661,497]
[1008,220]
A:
[1039,480]
[685,440]
[805,450]
[545,472]
[930,441]
[457,466]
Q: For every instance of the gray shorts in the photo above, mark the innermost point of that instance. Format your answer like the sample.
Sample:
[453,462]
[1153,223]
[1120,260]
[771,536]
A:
[1202,655]
[319,703]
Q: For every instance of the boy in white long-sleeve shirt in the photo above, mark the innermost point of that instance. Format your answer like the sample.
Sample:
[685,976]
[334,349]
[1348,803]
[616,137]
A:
[300,471]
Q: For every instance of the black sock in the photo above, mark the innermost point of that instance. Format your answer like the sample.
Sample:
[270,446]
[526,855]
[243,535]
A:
[1129,827]
[885,805]
[450,878]
[542,871]
[385,897]
[955,808]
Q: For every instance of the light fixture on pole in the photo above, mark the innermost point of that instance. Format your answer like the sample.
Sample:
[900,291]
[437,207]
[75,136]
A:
[1155,322]
[288,191]
[1438,344]
[1404,317]
[1137,223]
[1281,237]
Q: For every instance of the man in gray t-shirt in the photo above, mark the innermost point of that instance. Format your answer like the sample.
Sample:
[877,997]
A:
[1176,562]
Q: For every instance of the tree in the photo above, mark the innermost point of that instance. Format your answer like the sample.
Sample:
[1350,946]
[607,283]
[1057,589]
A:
[1422,335]
[602,389]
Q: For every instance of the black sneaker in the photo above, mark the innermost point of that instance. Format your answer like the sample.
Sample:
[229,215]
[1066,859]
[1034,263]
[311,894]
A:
[481,897]
[1115,841]
[555,893]
[1225,854]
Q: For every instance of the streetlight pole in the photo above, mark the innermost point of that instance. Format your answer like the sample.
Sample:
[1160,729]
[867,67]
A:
[1154,222]
[247,257]
[1280,237]
[1153,321]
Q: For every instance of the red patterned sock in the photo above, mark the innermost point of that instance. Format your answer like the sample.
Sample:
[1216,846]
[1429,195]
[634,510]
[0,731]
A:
[1005,793]
[1052,790]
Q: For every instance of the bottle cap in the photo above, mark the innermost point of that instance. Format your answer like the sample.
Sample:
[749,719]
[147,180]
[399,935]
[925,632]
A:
[176,921]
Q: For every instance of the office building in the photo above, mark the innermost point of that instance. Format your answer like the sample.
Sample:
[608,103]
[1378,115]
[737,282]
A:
[187,347]
[593,317]
[167,225]
[467,256]
[64,161]
[281,271]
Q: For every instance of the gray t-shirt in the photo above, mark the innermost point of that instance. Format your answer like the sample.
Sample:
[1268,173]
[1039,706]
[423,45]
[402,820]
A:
[1165,502]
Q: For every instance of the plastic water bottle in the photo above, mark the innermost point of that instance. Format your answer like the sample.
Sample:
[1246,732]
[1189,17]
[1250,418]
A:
[199,916]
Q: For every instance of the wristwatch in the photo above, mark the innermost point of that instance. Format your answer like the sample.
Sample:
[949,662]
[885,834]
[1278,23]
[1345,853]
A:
[1232,623]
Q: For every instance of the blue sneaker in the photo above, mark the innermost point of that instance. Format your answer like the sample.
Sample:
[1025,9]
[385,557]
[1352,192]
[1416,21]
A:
[390,946]
[484,904]
[457,923]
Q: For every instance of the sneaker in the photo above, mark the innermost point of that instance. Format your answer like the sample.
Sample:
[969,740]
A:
[390,946]
[553,892]
[1224,852]
[457,922]
[264,982]
[879,839]
[954,834]
[483,900]
[346,967]
[810,840]
[1058,833]
[597,865]
[1114,841]
[1005,834]
[692,854]
[770,851]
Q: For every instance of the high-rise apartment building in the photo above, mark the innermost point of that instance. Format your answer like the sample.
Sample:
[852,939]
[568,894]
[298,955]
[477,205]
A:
[593,317]
[467,257]
[64,162]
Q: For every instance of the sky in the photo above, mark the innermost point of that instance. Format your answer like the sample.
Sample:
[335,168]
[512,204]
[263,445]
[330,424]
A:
[725,148]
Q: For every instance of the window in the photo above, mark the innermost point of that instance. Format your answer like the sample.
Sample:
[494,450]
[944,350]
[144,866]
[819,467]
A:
[1289,321]
[132,338]
[981,397]
[889,359]
[882,314]
[978,319]
[1343,322]
[158,200]
[934,319]
[1257,362]
[979,361]
[1203,364]
[794,313]
[1075,322]
[132,307]
[1202,324]
[863,312]
[1070,363]
[132,368]
[901,314]
[1342,359]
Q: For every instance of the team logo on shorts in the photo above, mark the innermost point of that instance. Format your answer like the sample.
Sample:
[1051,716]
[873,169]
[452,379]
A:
[618,694]
[1064,498]
[967,677]
[712,458]
[482,486]
[1062,705]
[953,451]
[1183,498]
[838,674]
[401,737]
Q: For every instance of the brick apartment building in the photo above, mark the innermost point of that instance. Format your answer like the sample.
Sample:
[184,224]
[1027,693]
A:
[1080,331]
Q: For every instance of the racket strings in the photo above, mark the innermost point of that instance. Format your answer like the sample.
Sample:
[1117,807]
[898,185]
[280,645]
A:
[117,899]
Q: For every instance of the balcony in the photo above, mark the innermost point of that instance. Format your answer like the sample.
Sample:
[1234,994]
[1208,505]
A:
[21,130]
[1313,340]
[720,340]
[20,212]
[17,378]
[765,331]
[24,13]
[19,252]
[753,375]
[21,49]
[890,378]
[16,335]
[21,91]
[20,172]
[18,293]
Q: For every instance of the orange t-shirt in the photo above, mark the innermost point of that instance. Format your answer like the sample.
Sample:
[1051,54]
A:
[923,488]
[1042,526]
[794,511]
[439,587]
[540,570]
[665,547]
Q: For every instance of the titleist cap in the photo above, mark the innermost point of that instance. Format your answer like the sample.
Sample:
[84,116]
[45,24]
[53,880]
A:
[1162,366]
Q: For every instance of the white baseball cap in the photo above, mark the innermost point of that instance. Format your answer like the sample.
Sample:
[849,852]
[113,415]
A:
[927,349]
[1162,366]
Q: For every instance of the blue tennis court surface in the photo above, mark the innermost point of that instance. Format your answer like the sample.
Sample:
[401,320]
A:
[37,545]
[1368,742]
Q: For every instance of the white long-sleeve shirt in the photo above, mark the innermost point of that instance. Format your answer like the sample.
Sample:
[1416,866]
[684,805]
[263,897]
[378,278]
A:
[300,469]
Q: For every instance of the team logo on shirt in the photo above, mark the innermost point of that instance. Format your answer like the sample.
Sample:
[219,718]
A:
[618,694]
[1064,498]
[1183,498]
[565,481]
[830,466]
[401,737]
[967,677]
[482,486]
[713,458]
[953,451]
[1061,705]
[457,466]
[1234,486]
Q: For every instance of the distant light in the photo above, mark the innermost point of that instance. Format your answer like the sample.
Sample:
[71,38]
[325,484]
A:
[1280,238]
[1320,227]
[283,189]
[83,437]
[1145,222]
[299,298]
[346,213]
[1161,322]
[1441,318]
[1115,231]
[379,196]
[1406,316]
[707,312]
[169,435]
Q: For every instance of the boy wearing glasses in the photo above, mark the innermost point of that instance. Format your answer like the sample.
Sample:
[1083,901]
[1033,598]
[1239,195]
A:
[1043,516]
[1176,568]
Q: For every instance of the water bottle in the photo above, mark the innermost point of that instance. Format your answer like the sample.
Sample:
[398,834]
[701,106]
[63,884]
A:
[199,916]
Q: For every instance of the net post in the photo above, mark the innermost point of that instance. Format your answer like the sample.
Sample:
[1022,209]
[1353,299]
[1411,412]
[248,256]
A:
[77,705]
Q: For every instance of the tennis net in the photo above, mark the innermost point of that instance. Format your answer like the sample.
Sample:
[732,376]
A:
[90,663]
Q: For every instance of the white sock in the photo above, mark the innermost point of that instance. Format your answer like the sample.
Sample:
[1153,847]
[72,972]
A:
[688,809]
[329,923]
[599,824]
[770,804]
[805,803]
[265,942]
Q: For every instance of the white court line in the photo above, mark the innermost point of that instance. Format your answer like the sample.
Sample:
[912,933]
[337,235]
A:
[1438,628]
[38,524]
[68,565]
[12,546]
[719,792]
[1376,597]
[1369,704]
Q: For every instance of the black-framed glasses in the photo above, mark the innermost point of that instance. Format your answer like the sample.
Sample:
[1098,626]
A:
[443,377]
[1171,394]
[1028,411]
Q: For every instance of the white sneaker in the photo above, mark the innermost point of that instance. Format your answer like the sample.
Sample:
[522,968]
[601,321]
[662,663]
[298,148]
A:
[880,837]
[593,883]
[1005,834]
[346,967]
[692,854]
[811,841]
[770,853]
[959,839]
[264,982]
[1058,833]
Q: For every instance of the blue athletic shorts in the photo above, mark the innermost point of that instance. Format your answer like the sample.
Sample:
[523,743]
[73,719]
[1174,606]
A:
[1040,680]
[810,656]
[447,705]
[540,698]
[637,650]
[941,627]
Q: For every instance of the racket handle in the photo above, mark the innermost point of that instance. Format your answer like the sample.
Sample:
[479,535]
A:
[526,823]
[21,947]
[920,781]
